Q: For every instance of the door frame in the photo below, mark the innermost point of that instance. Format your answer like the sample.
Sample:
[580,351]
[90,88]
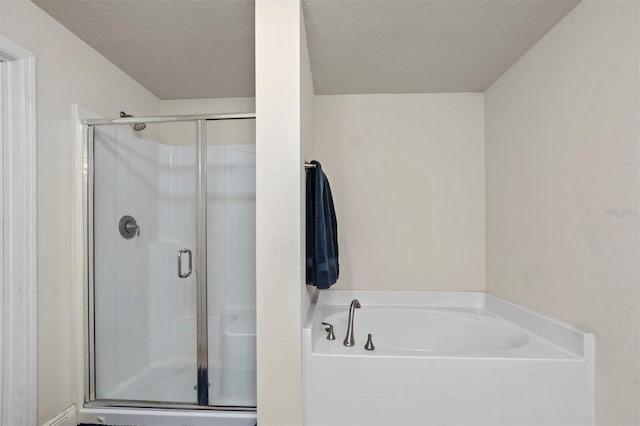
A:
[18,251]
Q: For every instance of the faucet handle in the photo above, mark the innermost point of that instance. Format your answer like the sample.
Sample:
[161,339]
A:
[329,330]
[369,345]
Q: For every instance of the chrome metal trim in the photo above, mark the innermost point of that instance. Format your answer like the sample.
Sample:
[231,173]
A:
[201,270]
[190,263]
[128,227]
[125,403]
[171,118]
[329,330]
[201,264]
[369,345]
[90,372]
[348,339]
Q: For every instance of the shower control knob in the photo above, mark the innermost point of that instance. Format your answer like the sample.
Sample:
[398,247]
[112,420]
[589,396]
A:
[128,227]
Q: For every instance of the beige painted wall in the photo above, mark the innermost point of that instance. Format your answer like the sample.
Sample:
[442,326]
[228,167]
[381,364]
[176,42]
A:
[562,140]
[407,176]
[68,71]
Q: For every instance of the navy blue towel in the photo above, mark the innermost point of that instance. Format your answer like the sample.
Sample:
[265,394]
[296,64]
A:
[322,231]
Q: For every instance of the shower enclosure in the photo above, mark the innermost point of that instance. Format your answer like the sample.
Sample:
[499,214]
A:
[171,262]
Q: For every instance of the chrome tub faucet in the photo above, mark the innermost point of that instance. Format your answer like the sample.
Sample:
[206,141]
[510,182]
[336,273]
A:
[349,340]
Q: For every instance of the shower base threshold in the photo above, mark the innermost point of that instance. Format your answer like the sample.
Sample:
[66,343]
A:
[161,416]
[174,381]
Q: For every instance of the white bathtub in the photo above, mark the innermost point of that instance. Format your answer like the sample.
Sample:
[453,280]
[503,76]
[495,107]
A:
[443,359]
[430,331]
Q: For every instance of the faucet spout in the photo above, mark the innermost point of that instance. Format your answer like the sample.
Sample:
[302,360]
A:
[349,340]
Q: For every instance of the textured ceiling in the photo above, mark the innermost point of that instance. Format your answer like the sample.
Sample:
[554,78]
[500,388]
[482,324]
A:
[175,48]
[204,48]
[421,46]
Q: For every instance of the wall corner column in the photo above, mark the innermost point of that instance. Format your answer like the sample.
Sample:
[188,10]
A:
[279,239]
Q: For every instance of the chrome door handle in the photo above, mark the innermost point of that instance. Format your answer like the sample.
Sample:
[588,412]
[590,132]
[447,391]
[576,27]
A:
[180,253]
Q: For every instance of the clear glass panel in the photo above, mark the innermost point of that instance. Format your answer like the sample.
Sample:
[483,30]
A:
[231,264]
[144,314]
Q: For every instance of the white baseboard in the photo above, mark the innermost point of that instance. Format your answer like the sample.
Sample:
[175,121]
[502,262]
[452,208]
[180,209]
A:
[65,418]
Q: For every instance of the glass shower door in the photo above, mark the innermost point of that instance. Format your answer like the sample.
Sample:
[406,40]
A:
[171,219]
[231,249]
[144,272]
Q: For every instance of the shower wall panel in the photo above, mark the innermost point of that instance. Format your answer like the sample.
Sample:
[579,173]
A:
[123,159]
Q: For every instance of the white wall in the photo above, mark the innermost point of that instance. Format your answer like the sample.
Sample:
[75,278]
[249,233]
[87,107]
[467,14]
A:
[307,123]
[562,135]
[407,176]
[207,106]
[68,71]
[279,237]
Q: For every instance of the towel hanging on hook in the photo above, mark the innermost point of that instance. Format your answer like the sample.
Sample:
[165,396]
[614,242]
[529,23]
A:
[322,266]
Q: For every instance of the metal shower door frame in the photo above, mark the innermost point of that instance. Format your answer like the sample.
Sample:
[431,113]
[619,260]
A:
[200,263]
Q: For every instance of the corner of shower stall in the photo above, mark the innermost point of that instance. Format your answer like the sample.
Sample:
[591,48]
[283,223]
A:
[171,273]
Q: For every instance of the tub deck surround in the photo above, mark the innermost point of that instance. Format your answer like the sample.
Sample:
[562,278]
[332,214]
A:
[444,359]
